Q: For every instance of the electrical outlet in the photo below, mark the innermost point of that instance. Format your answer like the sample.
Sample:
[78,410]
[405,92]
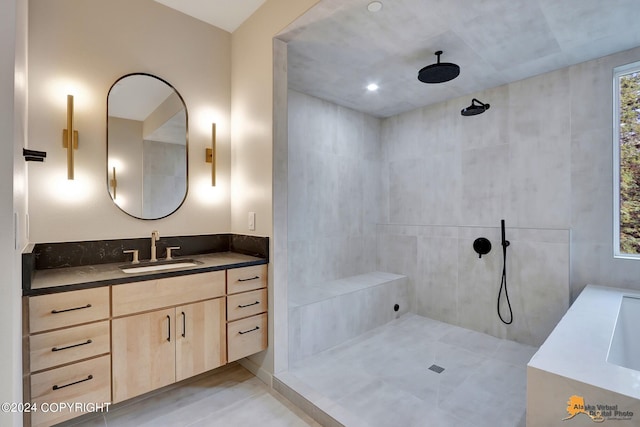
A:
[252,221]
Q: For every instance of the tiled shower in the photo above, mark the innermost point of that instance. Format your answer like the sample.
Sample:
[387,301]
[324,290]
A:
[409,194]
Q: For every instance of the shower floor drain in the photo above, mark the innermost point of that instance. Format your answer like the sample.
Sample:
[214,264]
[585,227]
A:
[437,369]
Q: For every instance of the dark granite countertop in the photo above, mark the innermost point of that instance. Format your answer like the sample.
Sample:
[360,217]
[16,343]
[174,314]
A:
[92,276]
[66,266]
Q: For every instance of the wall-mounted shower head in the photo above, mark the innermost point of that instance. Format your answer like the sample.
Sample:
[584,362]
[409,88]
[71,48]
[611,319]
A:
[475,108]
[439,72]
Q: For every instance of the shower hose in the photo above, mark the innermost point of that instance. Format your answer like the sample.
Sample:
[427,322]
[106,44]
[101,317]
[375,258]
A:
[503,282]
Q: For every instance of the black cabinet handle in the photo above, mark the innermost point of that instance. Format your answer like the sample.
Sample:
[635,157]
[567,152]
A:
[184,325]
[70,309]
[250,330]
[71,346]
[58,387]
[248,305]
[250,278]
[168,328]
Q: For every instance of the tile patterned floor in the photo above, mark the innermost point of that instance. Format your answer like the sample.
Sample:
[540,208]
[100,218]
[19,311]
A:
[231,397]
[382,378]
[378,379]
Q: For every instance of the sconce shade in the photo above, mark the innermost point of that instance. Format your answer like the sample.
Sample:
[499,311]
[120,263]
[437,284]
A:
[70,137]
[211,154]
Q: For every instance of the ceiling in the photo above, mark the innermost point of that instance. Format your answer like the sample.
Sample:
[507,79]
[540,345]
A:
[225,14]
[337,48]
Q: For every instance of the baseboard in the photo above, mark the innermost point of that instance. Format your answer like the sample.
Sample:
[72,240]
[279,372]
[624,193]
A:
[299,395]
[322,409]
[261,373]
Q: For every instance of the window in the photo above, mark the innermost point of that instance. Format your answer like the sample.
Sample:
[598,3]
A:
[626,154]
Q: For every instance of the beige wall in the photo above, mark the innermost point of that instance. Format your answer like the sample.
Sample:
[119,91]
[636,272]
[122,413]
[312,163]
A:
[83,47]
[13,208]
[252,111]
[252,144]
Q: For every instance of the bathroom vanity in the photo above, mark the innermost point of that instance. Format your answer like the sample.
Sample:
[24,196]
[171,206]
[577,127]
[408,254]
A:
[94,334]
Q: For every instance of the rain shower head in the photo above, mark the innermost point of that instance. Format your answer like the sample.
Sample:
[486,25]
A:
[439,72]
[475,108]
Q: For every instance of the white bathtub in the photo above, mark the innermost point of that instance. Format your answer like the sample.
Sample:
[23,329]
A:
[624,349]
[593,354]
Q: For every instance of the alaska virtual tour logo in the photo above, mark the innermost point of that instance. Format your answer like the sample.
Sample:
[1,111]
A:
[598,412]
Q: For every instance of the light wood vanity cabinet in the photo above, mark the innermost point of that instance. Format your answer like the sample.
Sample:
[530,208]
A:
[116,342]
[201,341]
[69,349]
[143,356]
[159,347]
[246,311]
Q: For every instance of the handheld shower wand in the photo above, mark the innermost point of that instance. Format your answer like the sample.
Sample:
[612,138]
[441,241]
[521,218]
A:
[503,282]
[504,241]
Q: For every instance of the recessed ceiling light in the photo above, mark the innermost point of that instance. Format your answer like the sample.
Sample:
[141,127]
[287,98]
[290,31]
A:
[372,87]
[374,6]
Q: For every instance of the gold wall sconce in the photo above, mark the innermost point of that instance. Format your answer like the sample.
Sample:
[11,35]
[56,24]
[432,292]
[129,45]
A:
[70,137]
[113,183]
[211,154]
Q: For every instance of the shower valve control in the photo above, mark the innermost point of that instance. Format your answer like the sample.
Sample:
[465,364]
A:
[482,246]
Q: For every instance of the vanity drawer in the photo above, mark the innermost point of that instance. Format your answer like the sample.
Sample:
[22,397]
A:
[246,337]
[82,382]
[68,345]
[68,308]
[246,278]
[246,304]
[156,294]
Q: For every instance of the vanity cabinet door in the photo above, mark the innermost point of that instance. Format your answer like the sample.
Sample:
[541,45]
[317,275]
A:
[200,337]
[143,352]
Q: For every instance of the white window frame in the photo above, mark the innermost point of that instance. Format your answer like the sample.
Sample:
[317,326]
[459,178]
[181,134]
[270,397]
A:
[617,73]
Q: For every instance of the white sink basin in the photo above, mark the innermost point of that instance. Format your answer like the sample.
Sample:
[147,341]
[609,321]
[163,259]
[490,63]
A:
[157,267]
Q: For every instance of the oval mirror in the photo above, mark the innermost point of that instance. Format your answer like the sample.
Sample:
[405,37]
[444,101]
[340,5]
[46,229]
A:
[146,146]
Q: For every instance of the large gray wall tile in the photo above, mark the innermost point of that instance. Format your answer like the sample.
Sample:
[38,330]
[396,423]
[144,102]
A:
[424,184]
[335,190]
